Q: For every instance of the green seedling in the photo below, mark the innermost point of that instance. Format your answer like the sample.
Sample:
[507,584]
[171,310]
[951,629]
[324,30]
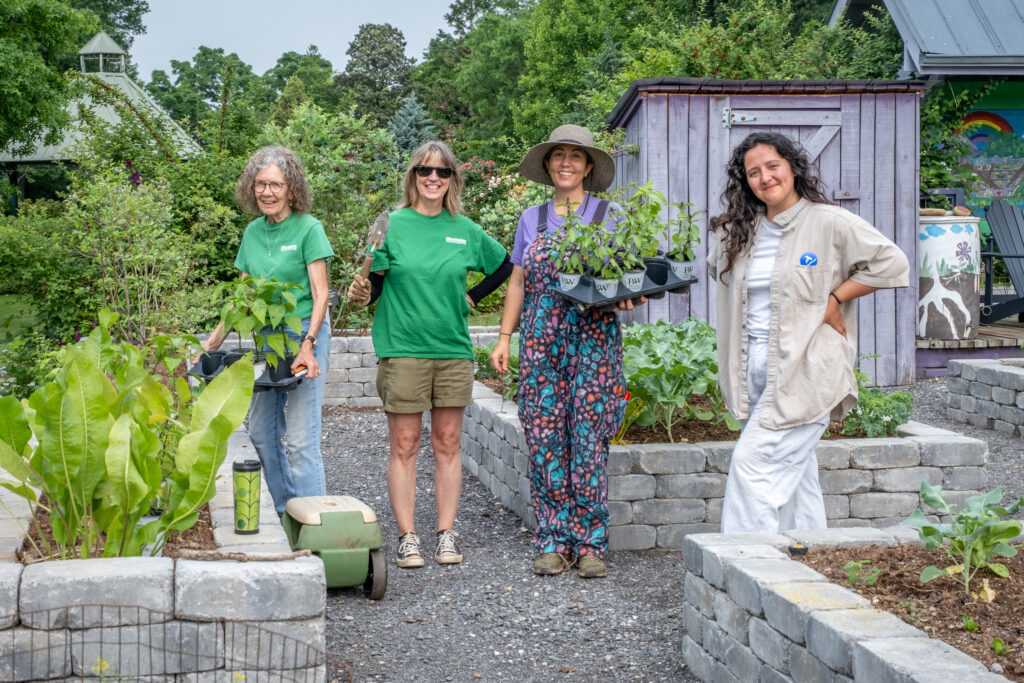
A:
[858,571]
[1001,648]
[970,624]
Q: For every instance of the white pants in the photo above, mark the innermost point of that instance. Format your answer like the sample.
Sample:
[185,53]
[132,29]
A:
[773,477]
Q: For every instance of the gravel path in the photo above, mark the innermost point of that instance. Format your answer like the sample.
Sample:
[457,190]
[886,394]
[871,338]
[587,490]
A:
[490,618]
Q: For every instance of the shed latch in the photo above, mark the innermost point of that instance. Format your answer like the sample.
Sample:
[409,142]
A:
[730,117]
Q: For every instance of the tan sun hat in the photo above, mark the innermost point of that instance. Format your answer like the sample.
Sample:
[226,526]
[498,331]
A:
[600,177]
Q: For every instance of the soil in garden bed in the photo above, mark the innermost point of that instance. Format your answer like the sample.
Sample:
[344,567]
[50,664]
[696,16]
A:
[938,608]
[199,537]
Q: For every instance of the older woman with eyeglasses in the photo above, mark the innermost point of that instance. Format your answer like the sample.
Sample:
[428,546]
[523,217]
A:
[421,336]
[288,244]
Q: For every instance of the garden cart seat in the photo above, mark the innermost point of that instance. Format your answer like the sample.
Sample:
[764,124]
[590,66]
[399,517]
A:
[344,533]
[308,510]
[1007,225]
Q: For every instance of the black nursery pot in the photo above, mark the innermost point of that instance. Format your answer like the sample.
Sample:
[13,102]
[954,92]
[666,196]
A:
[279,378]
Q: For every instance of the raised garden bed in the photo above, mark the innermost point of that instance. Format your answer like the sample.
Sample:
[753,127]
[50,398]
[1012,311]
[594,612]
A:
[660,493]
[134,617]
[752,613]
[889,578]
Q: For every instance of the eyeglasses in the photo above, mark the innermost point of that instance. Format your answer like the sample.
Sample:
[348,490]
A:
[274,187]
[442,171]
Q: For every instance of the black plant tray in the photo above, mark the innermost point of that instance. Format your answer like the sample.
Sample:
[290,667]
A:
[658,279]
[279,379]
[211,363]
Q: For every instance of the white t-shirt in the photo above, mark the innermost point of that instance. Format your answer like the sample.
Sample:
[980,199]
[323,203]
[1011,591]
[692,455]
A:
[759,277]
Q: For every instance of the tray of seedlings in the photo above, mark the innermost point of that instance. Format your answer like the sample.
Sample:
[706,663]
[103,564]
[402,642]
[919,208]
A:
[279,377]
[211,363]
[602,265]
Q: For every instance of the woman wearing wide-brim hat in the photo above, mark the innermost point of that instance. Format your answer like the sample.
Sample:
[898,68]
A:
[571,387]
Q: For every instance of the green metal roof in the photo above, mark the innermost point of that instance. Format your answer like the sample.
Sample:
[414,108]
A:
[138,97]
[954,37]
[101,43]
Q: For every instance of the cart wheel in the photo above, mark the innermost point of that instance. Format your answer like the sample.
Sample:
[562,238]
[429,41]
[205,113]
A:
[376,576]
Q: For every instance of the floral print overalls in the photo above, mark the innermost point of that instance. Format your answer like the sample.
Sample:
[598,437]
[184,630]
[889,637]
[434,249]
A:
[571,402]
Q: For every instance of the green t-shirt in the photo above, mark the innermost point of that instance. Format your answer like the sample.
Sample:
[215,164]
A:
[422,310]
[282,251]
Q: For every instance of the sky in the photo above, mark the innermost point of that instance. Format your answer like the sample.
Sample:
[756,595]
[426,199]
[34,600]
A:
[260,31]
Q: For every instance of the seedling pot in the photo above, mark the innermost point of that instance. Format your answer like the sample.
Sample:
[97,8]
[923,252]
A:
[605,287]
[633,280]
[212,363]
[568,281]
[681,269]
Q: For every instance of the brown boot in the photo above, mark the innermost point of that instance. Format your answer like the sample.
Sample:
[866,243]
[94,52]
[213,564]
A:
[590,567]
[552,563]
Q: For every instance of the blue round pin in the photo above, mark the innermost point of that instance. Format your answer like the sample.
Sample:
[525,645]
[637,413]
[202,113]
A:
[808,258]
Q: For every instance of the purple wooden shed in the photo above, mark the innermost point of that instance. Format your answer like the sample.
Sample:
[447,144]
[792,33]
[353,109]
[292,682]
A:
[862,137]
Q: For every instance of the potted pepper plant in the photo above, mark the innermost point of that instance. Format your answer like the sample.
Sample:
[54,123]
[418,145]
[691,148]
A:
[262,308]
[683,238]
[637,234]
[570,252]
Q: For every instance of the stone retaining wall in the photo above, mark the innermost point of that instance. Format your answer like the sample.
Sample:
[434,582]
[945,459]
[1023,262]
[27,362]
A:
[351,380]
[659,493]
[987,393]
[165,620]
[753,614]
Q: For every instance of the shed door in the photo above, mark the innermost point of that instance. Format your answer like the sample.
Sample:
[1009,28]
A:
[843,154]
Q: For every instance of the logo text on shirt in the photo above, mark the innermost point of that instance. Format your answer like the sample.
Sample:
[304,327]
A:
[454,240]
[289,247]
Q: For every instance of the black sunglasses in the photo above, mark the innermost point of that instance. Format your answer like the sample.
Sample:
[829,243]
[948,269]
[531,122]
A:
[425,171]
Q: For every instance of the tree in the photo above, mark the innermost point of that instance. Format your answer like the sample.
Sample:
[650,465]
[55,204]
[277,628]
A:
[487,80]
[564,37]
[411,126]
[121,19]
[34,36]
[313,69]
[294,94]
[378,74]
[200,86]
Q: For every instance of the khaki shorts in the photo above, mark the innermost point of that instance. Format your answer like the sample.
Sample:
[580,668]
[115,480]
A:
[412,385]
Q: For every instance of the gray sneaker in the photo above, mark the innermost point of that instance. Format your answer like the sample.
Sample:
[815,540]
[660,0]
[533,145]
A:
[447,548]
[409,555]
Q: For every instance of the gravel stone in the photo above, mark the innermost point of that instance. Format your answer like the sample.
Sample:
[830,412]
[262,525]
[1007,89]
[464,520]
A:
[504,622]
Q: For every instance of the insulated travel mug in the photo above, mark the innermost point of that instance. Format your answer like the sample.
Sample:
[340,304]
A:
[246,474]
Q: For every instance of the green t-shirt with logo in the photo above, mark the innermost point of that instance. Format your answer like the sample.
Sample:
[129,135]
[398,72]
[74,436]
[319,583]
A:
[282,251]
[422,310]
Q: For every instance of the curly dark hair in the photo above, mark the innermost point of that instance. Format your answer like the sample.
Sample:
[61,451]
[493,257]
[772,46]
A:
[742,205]
[300,195]
[434,150]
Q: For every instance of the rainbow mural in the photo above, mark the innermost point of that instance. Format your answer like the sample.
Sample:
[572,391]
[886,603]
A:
[979,125]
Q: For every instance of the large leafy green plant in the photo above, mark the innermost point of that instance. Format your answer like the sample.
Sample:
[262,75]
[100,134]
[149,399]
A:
[261,307]
[977,535]
[112,439]
[666,366]
[639,225]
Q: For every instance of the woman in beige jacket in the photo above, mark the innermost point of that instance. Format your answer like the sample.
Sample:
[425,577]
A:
[789,264]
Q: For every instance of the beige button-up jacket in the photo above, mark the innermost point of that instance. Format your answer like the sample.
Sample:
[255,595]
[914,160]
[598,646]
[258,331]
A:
[810,365]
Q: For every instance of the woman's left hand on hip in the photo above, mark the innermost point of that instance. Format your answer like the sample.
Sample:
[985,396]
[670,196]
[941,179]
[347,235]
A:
[834,317]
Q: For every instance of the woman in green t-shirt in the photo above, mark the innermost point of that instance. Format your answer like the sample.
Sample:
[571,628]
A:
[289,245]
[421,336]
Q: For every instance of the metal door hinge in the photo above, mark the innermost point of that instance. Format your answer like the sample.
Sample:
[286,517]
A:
[729,117]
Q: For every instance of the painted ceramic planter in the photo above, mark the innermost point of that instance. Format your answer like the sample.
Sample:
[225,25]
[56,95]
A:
[949,282]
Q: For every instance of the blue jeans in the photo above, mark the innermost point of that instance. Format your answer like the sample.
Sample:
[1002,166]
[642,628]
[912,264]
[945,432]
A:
[285,429]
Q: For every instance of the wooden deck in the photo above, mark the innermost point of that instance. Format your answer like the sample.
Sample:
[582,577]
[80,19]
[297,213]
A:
[1001,340]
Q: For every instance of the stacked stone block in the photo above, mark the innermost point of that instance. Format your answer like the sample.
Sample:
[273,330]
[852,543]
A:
[352,378]
[753,614]
[660,493]
[153,618]
[987,393]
